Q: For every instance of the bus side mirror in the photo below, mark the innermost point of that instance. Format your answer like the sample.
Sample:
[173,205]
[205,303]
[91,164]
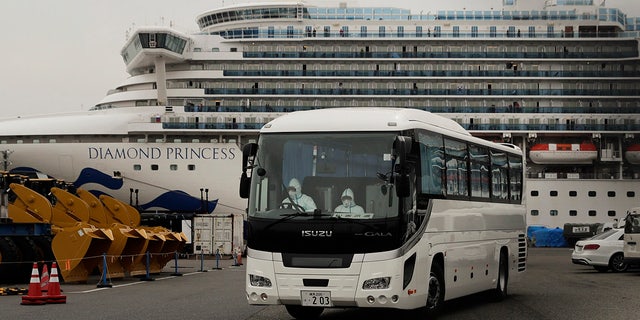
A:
[401,150]
[249,152]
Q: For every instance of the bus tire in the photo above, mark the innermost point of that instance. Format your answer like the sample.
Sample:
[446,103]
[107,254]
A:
[500,292]
[435,296]
[300,312]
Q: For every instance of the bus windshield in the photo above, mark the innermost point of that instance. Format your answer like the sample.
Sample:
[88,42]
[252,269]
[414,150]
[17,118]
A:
[324,175]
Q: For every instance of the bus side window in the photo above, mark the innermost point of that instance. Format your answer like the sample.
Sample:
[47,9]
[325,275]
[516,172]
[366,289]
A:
[432,165]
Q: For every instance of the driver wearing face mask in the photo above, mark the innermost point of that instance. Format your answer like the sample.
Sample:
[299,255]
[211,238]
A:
[296,195]
[348,204]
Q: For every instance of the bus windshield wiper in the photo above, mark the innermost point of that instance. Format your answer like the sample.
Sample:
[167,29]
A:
[339,218]
[289,216]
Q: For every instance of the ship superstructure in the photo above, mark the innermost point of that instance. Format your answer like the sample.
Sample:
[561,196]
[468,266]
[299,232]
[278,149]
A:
[559,79]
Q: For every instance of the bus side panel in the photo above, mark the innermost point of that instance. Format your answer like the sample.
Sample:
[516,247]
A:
[471,235]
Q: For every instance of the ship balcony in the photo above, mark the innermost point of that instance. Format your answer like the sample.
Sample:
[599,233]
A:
[547,175]
[432,73]
[604,109]
[425,92]
[630,53]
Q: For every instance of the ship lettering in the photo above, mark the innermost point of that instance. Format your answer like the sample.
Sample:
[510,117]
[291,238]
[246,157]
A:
[170,153]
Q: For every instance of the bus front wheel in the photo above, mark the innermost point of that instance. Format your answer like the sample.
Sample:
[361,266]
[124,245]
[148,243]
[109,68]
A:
[435,297]
[300,312]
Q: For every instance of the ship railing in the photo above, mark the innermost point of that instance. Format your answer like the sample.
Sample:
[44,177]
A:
[582,175]
[632,52]
[430,73]
[377,34]
[567,109]
[552,127]
[462,91]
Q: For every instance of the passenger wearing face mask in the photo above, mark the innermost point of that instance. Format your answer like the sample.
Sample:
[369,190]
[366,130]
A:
[348,204]
[296,195]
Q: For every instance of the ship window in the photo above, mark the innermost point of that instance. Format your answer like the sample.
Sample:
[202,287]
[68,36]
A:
[553,212]
[137,167]
[191,167]
[592,213]
[573,213]
[611,194]
[611,213]
[233,49]
[154,167]
[534,212]
[631,194]
[573,194]
[553,193]
[173,167]
[534,193]
[592,193]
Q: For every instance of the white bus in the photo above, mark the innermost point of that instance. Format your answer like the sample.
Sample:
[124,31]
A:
[631,247]
[434,213]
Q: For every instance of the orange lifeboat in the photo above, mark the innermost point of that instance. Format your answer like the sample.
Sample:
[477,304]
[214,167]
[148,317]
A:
[563,153]
[632,154]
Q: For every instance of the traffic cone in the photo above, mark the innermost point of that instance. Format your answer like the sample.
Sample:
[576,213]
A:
[44,280]
[34,296]
[54,295]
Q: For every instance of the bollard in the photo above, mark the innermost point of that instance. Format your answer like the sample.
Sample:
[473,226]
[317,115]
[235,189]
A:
[103,279]
[217,260]
[202,262]
[147,277]
[176,273]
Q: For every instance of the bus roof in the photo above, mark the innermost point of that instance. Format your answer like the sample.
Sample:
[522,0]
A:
[360,119]
[369,119]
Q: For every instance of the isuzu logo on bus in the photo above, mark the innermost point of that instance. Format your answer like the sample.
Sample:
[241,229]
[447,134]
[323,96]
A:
[316,233]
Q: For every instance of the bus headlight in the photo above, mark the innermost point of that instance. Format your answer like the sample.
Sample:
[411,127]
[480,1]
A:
[376,283]
[259,281]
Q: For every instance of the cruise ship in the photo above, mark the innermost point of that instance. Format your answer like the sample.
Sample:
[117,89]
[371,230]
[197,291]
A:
[559,79]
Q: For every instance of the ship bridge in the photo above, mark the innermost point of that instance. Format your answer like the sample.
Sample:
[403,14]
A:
[150,49]
[146,44]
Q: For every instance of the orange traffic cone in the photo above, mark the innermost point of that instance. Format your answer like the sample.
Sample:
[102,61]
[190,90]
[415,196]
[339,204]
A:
[44,280]
[34,296]
[54,295]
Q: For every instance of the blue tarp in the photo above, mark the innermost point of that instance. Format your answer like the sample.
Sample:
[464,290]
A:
[546,237]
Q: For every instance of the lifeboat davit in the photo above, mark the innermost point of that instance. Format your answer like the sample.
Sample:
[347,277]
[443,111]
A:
[632,154]
[563,153]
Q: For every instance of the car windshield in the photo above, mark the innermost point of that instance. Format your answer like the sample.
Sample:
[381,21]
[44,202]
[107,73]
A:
[604,235]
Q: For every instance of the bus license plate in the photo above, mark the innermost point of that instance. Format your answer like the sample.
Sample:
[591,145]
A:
[316,298]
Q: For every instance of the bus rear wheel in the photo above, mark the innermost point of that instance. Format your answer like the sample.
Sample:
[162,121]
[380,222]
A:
[435,297]
[500,292]
[300,312]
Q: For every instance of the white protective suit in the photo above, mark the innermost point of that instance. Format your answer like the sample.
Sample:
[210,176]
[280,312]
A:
[348,203]
[303,200]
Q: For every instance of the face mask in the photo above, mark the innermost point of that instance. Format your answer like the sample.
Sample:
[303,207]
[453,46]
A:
[346,203]
[292,194]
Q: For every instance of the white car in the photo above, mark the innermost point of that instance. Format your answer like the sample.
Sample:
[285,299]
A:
[602,251]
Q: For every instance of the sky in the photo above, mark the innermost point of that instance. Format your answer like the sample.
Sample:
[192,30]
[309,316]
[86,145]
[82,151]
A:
[63,56]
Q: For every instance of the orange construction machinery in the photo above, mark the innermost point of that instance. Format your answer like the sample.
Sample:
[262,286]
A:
[85,230]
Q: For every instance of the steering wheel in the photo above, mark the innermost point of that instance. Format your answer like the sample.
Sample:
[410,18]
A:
[293,206]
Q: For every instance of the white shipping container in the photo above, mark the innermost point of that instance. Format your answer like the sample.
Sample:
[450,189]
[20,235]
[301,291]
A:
[223,232]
